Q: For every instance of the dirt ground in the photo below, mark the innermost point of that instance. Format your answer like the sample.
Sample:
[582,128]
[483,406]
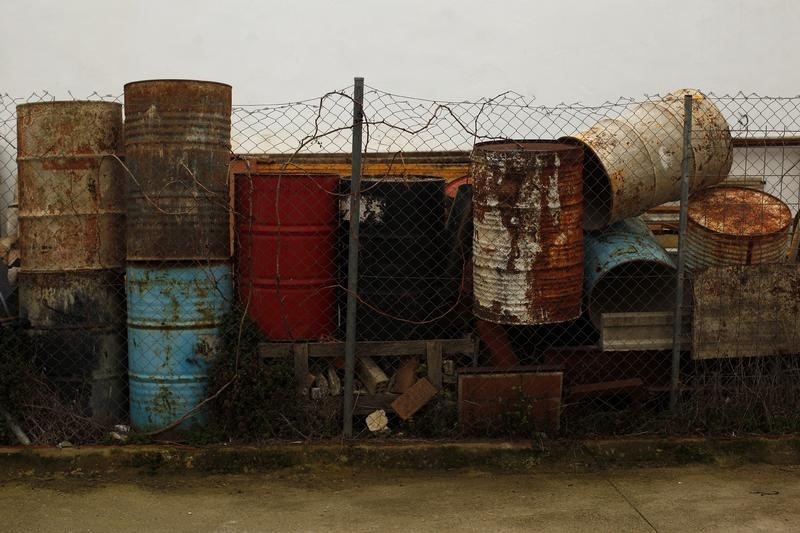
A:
[689,498]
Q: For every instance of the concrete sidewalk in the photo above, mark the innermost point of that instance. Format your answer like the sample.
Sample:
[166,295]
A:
[334,498]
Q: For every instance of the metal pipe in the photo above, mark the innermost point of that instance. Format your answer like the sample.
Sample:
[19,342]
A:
[678,318]
[20,435]
[352,257]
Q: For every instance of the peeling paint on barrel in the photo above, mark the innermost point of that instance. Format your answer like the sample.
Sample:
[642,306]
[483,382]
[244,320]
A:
[729,226]
[626,270]
[634,162]
[177,145]
[174,315]
[527,241]
[71,186]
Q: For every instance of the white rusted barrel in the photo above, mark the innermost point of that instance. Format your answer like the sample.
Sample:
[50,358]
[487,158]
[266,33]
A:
[528,242]
[633,162]
[730,226]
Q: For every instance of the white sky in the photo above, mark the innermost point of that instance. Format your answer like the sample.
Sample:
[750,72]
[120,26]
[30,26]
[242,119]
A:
[557,50]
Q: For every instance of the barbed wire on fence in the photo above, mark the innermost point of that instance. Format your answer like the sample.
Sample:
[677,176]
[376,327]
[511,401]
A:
[398,125]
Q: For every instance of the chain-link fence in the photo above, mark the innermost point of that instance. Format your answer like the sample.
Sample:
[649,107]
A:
[183,266]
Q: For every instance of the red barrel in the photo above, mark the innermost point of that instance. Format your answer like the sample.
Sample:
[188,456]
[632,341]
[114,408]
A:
[285,228]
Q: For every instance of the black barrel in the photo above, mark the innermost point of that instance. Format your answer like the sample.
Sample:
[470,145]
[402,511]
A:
[402,270]
[76,321]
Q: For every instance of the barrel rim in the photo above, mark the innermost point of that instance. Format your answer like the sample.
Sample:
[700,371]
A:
[174,80]
[591,294]
[755,192]
[76,103]
[520,145]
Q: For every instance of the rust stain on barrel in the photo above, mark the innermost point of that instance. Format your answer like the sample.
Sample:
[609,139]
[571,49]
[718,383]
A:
[736,226]
[71,186]
[528,241]
[177,143]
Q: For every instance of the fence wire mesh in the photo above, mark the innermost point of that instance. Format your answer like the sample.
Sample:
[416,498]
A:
[184,271]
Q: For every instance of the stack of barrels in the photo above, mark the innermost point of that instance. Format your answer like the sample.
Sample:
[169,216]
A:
[178,275]
[72,247]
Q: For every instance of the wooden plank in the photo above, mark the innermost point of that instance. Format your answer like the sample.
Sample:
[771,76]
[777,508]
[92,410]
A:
[368,348]
[364,404]
[448,165]
[620,332]
[608,388]
[414,398]
[433,355]
[302,377]
[746,311]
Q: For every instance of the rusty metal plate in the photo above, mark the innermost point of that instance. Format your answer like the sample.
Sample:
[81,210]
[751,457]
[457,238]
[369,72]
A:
[491,399]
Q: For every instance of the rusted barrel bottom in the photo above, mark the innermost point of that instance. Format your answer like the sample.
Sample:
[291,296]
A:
[157,401]
[76,326]
[506,297]
[635,286]
[86,369]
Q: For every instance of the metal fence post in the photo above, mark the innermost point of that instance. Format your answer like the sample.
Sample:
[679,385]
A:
[677,331]
[352,257]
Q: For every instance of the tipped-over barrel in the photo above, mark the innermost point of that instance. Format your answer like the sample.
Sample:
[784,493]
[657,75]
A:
[626,270]
[634,162]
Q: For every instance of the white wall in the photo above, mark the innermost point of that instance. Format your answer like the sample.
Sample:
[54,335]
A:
[277,51]
[273,51]
[779,167]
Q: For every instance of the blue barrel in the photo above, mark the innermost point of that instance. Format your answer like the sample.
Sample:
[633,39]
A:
[626,270]
[174,315]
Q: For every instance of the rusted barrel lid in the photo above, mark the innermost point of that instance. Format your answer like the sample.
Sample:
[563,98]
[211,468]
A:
[739,211]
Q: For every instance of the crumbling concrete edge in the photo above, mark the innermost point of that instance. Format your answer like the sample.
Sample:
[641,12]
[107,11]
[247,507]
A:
[516,457]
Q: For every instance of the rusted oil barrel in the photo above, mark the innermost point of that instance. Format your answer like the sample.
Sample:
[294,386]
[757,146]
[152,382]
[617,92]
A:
[402,270]
[286,234]
[736,226]
[633,162]
[626,270]
[71,186]
[177,145]
[528,242]
[174,316]
[72,248]
[77,326]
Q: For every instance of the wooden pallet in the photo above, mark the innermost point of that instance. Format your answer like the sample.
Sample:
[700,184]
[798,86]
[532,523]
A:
[433,350]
